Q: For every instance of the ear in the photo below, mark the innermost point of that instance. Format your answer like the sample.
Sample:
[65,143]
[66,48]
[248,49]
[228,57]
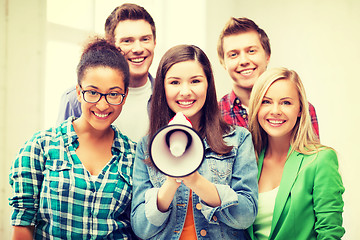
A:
[78,92]
[268,59]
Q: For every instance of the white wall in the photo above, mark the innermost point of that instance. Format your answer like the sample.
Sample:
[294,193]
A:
[319,39]
[22,25]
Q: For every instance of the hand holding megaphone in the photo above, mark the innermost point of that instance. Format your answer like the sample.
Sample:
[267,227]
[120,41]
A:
[177,150]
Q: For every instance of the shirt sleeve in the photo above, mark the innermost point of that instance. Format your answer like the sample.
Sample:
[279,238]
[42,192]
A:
[314,119]
[328,201]
[239,199]
[25,179]
[146,219]
[69,105]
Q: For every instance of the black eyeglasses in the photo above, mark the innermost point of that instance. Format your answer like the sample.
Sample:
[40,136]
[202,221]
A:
[113,98]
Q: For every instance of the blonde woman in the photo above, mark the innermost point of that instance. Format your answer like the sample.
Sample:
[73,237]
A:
[300,188]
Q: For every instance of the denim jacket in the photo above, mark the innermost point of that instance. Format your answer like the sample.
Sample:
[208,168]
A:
[235,177]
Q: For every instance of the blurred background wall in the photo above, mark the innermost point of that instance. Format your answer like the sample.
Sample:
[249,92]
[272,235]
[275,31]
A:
[41,40]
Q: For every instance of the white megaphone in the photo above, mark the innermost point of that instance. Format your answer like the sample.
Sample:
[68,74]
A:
[177,150]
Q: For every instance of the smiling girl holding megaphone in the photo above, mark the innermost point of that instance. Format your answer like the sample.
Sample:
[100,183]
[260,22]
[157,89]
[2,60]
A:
[218,198]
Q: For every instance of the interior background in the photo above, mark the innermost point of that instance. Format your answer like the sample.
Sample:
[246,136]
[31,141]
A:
[40,45]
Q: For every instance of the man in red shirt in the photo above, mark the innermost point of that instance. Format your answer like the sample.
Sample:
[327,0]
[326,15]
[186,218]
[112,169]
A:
[244,51]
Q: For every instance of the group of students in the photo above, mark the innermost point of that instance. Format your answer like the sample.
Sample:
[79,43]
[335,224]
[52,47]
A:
[265,173]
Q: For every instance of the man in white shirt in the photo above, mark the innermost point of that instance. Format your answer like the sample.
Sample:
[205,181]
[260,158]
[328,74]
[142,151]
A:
[131,28]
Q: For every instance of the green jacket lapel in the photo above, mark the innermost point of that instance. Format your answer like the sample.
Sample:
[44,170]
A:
[290,173]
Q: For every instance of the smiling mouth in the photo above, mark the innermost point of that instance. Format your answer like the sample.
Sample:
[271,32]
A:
[101,115]
[247,72]
[276,122]
[185,103]
[137,60]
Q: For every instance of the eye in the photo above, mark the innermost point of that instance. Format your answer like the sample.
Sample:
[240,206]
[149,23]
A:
[195,81]
[146,39]
[233,54]
[126,41]
[114,94]
[286,103]
[252,51]
[265,101]
[93,93]
[174,82]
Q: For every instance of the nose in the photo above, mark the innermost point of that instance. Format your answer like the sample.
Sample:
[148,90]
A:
[185,89]
[244,60]
[276,110]
[102,104]
[137,47]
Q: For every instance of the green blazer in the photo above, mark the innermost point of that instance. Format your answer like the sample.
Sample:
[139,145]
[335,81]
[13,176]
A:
[309,202]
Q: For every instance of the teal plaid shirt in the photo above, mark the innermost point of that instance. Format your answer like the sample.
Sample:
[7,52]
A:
[54,192]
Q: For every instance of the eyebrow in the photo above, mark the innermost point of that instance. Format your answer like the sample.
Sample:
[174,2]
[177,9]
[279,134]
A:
[200,75]
[284,98]
[195,76]
[247,47]
[112,88]
[132,37]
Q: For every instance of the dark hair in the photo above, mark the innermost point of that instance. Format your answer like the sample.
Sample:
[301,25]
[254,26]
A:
[127,11]
[99,52]
[241,25]
[212,126]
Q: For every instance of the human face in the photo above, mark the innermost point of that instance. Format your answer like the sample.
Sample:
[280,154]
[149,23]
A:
[280,109]
[185,88]
[137,43]
[104,80]
[244,58]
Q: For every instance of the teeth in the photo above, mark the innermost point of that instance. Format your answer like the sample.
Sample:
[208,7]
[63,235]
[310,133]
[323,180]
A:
[101,115]
[247,72]
[186,102]
[137,60]
[276,121]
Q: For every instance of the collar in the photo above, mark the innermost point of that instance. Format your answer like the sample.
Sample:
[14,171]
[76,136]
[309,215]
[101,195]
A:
[235,101]
[231,132]
[67,131]
[70,137]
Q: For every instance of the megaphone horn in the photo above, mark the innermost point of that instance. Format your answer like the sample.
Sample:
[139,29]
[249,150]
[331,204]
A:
[178,141]
[177,150]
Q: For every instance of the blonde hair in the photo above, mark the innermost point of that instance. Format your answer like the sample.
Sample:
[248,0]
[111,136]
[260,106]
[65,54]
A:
[303,138]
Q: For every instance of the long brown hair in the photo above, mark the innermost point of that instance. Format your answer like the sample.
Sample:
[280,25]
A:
[212,126]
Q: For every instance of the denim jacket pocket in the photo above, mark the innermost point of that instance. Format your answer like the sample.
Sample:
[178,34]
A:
[220,166]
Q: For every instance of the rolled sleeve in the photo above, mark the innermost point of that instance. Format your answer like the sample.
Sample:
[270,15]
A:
[238,199]
[146,219]
[25,179]
[328,201]
[152,213]
[228,198]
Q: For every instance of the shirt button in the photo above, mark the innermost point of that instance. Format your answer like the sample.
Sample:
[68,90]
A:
[244,116]
[214,218]
[198,206]
[237,101]
[203,232]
